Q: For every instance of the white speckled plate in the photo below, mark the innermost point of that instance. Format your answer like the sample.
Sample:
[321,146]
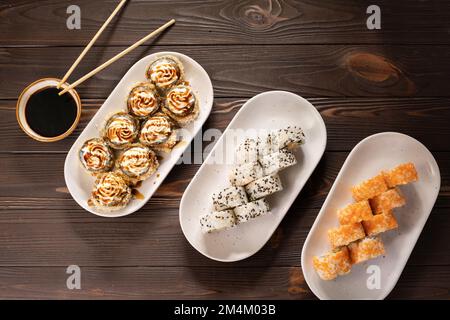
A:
[378,152]
[269,110]
[80,183]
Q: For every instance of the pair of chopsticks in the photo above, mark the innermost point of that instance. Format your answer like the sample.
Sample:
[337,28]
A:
[113,59]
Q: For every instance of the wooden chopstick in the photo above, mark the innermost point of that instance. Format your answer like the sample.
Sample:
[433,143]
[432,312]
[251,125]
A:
[117,57]
[86,49]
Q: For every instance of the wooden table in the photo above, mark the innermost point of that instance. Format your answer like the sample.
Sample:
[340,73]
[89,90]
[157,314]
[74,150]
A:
[362,81]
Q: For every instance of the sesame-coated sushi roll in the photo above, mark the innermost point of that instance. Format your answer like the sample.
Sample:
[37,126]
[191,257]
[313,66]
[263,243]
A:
[386,201]
[369,188]
[332,264]
[229,198]
[380,223]
[265,145]
[290,137]
[263,187]
[272,163]
[245,173]
[247,151]
[251,210]
[365,249]
[402,174]
[217,221]
[355,212]
[343,235]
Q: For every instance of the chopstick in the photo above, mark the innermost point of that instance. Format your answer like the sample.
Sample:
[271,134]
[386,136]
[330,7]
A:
[86,49]
[118,56]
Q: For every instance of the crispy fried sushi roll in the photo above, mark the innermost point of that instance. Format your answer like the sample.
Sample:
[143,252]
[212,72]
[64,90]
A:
[263,187]
[387,201]
[369,188]
[159,133]
[290,137]
[251,210]
[229,198]
[137,163]
[217,221]
[272,163]
[355,212]
[402,174]
[121,130]
[245,173]
[332,264]
[165,72]
[380,223]
[181,104]
[143,101]
[366,249]
[343,235]
[247,151]
[96,156]
[111,192]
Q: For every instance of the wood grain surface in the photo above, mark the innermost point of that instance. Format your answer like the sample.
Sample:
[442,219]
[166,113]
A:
[361,81]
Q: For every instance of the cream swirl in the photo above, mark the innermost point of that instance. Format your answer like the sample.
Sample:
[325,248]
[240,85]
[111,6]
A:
[180,100]
[142,101]
[110,191]
[156,130]
[121,130]
[96,156]
[164,72]
[138,162]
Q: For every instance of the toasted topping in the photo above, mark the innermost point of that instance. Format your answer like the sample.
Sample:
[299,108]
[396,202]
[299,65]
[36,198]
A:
[138,162]
[96,156]
[180,100]
[142,101]
[164,73]
[156,130]
[110,191]
[121,130]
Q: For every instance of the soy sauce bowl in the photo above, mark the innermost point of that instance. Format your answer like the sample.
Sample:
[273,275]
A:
[34,88]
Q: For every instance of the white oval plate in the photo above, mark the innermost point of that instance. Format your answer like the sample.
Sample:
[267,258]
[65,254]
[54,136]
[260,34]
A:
[378,152]
[80,183]
[269,110]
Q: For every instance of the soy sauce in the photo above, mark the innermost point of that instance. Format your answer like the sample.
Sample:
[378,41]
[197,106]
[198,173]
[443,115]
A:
[49,114]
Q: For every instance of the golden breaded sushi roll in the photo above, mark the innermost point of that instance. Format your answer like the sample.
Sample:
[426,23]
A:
[343,235]
[386,201]
[380,223]
[365,249]
[402,174]
[355,212]
[369,188]
[332,264]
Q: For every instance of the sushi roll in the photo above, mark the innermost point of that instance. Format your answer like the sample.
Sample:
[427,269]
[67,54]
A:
[386,201]
[137,163]
[96,156]
[229,198]
[251,210]
[369,188]
[181,104]
[265,145]
[159,133]
[380,223]
[290,137]
[263,187]
[355,212]
[332,264]
[402,174]
[247,151]
[111,192]
[143,100]
[245,173]
[365,249]
[165,72]
[277,161]
[345,234]
[217,221]
[121,130]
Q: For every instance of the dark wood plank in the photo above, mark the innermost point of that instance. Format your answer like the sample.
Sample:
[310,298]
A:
[39,236]
[243,71]
[430,282]
[36,181]
[348,121]
[227,22]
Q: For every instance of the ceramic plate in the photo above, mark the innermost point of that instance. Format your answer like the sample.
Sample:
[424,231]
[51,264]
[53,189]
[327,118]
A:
[381,151]
[266,111]
[80,183]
